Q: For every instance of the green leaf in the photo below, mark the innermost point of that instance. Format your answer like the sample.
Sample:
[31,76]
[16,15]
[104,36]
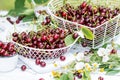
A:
[28,18]
[19,4]
[86,75]
[112,72]
[57,78]
[105,45]
[64,77]
[95,58]
[88,33]
[69,40]
[70,76]
[16,12]
[64,2]
[29,1]
[27,12]
[40,1]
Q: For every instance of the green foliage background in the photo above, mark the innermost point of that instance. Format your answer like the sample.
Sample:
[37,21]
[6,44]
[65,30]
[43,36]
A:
[9,4]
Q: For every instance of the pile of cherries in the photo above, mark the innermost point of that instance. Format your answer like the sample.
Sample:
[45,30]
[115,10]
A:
[50,38]
[7,49]
[87,15]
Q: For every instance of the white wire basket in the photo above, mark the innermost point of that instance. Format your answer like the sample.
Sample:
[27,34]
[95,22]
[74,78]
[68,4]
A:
[43,54]
[36,53]
[103,33]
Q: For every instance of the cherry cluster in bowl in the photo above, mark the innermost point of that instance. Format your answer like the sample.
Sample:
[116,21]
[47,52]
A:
[86,14]
[50,38]
[7,49]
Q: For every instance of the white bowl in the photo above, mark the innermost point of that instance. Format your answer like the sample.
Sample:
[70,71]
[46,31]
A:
[8,63]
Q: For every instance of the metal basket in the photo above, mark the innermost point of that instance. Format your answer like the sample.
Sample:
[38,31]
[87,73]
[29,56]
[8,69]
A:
[44,54]
[103,33]
[34,53]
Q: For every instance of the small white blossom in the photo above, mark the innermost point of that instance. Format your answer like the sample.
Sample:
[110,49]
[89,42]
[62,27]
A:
[104,54]
[105,59]
[79,65]
[80,56]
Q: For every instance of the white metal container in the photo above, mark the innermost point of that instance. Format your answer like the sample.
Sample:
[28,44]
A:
[103,33]
[8,63]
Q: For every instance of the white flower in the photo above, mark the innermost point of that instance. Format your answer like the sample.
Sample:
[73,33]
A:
[80,33]
[104,54]
[79,66]
[87,59]
[105,59]
[80,56]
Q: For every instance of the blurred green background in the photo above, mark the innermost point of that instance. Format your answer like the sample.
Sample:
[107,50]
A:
[9,4]
[6,4]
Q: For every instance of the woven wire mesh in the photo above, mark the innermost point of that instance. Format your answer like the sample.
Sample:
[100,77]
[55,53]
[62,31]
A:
[43,54]
[102,33]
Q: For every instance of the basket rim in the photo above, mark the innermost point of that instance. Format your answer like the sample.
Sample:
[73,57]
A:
[75,23]
[69,46]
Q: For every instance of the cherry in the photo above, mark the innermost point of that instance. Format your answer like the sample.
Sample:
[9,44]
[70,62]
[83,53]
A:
[83,5]
[44,38]
[40,45]
[79,76]
[75,35]
[62,58]
[41,79]
[100,78]
[2,51]
[6,54]
[15,34]
[23,67]
[28,40]
[56,36]
[84,44]
[1,43]
[113,51]
[64,14]
[37,61]
[42,64]
[15,39]
[4,46]
[51,40]
[17,21]
[34,38]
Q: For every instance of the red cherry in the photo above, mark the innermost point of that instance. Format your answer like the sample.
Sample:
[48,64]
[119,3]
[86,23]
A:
[2,51]
[28,40]
[84,4]
[17,21]
[41,79]
[37,61]
[44,38]
[113,51]
[4,46]
[62,58]
[64,14]
[100,78]
[1,43]
[10,44]
[23,67]
[56,36]
[42,64]
[75,35]
[11,49]
[6,54]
